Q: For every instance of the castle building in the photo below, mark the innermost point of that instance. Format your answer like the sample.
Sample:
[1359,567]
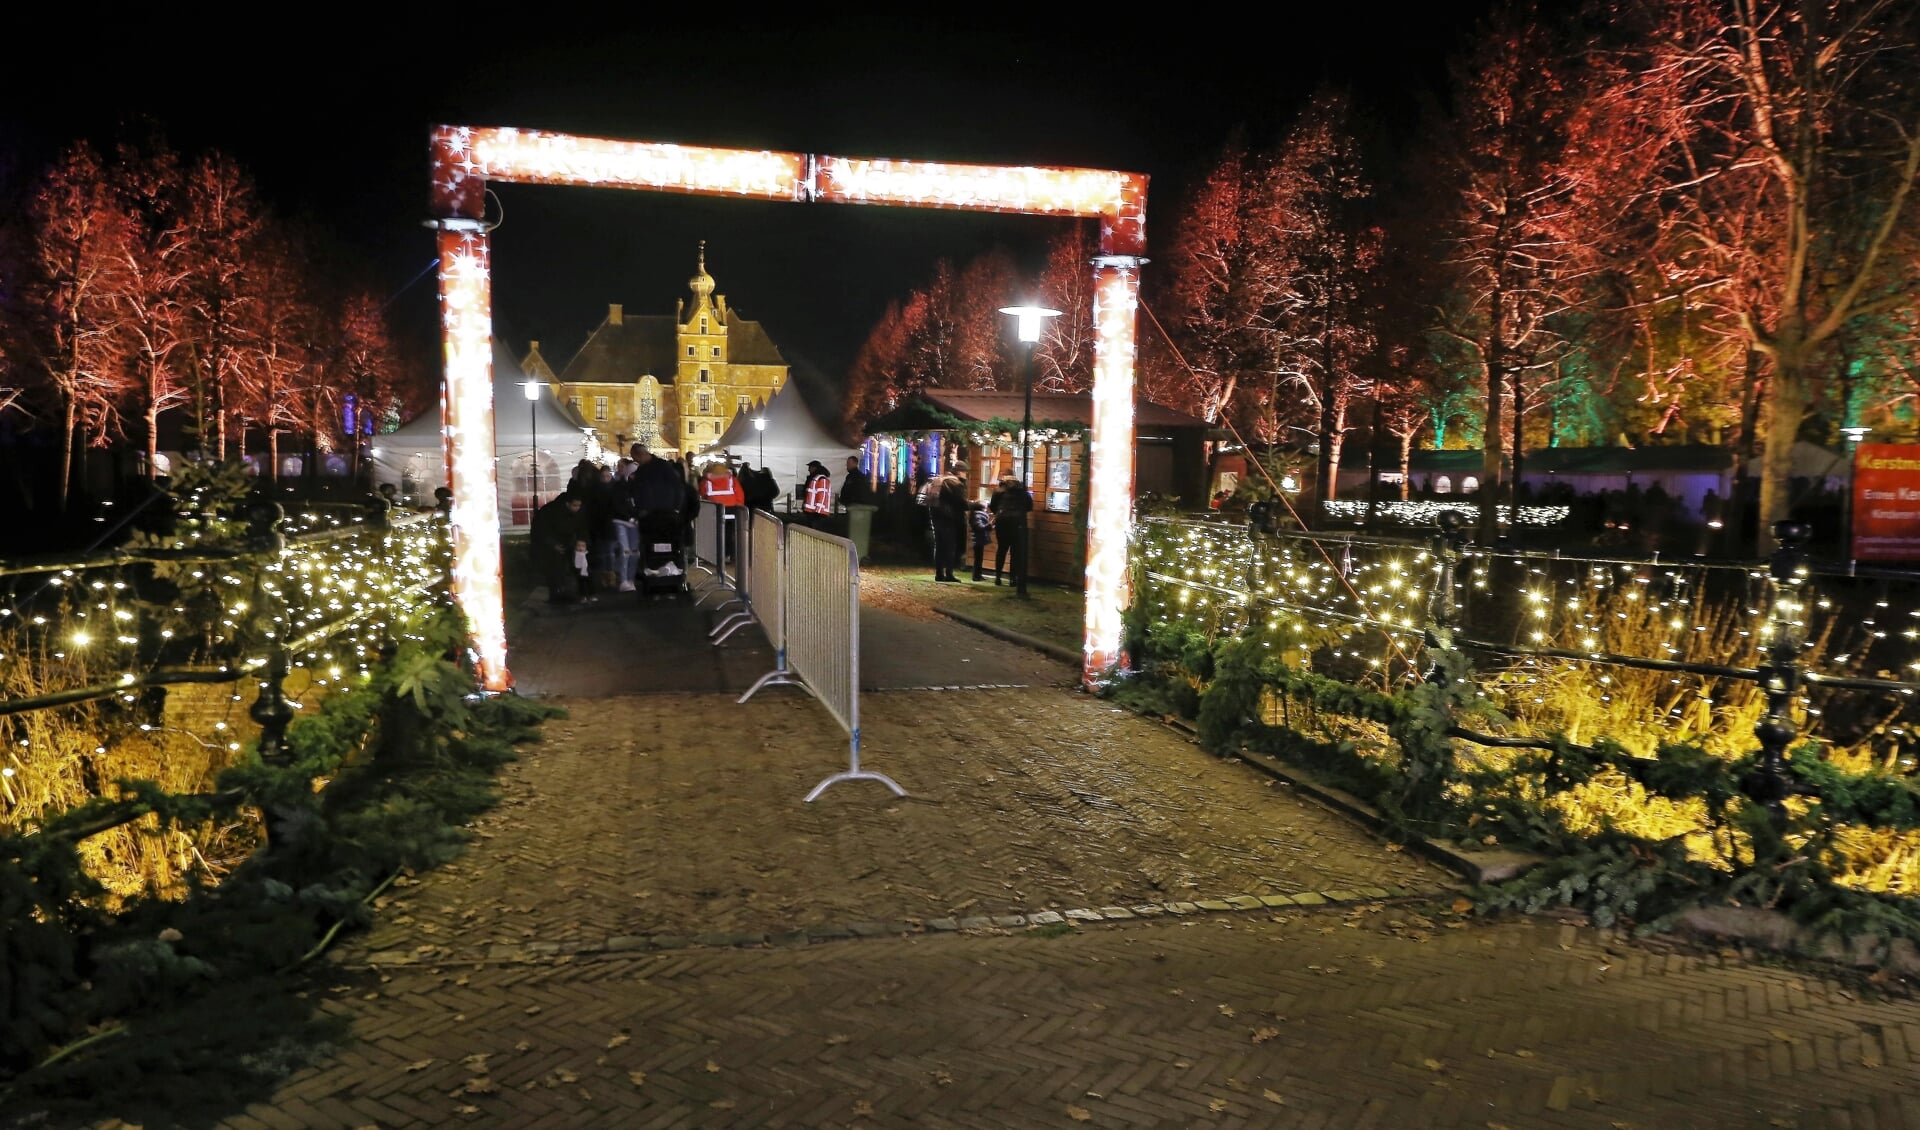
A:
[672,382]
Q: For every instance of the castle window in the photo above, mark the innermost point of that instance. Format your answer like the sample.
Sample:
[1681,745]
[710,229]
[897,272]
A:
[573,402]
[689,350]
[703,325]
[705,376]
[716,351]
[742,403]
[690,426]
[716,427]
[600,408]
[706,404]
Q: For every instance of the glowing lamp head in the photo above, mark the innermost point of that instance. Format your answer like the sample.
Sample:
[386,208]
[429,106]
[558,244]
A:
[1855,434]
[759,423]
[531,388]
[1029,319]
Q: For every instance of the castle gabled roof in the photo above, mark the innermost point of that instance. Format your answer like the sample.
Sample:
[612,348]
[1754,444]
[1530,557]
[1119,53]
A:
[622,352]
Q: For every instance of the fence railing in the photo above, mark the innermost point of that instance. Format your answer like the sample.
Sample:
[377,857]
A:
[767,566]
[325,600]
[1386,607]
[823,636]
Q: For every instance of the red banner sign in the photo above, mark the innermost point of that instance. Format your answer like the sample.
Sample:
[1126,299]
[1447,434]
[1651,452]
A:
[1886,502]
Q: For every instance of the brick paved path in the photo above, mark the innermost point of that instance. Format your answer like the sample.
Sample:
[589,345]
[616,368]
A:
[626,828]
[654,931]
[1336,1017]
[682,815]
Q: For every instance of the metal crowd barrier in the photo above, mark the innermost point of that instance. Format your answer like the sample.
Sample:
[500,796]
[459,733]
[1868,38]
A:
[710,552]
[767,582]
[745,573]
[822,631]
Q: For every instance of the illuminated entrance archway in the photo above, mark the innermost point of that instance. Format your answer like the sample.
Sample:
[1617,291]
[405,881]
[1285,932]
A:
[465,158]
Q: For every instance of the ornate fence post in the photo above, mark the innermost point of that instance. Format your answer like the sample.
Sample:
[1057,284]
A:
[1442,607]
[271,710]
[1768,784]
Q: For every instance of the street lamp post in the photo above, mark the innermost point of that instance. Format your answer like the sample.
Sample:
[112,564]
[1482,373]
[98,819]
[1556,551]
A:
[760,426]
[1028,320]
[532,389]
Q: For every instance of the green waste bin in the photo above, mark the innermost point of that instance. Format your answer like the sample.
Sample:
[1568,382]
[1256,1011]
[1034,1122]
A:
[860,526]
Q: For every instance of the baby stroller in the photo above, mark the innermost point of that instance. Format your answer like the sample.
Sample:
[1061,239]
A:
[663,558]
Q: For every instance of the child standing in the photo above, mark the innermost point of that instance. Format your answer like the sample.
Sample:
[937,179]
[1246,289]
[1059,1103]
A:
[980,524]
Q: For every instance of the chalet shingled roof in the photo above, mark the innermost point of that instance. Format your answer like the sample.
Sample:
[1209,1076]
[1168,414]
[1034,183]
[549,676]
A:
[988,404]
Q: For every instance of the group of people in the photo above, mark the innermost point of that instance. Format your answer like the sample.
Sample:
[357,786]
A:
[588,537]
[959,522]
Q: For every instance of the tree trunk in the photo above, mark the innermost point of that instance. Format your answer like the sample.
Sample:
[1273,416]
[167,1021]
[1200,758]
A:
[1493,435]
[153,436]
[1406,465]
[1519,442]
[1786,407]
[66,453]
[1325,488]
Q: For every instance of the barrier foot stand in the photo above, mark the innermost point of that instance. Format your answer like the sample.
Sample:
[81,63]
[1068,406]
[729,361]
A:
[778,677]
[855,773]
[733,624]
[723,589]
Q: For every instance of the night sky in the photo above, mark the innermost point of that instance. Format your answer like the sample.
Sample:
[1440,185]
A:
[332,116]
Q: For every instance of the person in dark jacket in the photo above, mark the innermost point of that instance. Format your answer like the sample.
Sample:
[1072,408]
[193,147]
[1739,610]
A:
[1010,506]
[854,488]
[761,488]
[947,510]
[559,530]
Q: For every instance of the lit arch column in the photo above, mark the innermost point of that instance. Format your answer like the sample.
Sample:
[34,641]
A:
[466,403]
[1110,457]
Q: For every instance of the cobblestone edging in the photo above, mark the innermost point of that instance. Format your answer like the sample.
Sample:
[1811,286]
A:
[813,935]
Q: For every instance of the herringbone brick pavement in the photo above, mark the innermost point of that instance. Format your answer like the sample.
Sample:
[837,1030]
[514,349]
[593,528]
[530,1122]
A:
[682,815]
[1389,1015]
[501,991]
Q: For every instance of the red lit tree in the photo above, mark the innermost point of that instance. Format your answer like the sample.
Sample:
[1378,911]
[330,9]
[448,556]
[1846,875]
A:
[73,317]
[1221,285]
[979,334]
[1787,143]
[274,370]
[1063,358]
[156,270]
[871,388]
[1315,205]
[225,220]
[1516,253]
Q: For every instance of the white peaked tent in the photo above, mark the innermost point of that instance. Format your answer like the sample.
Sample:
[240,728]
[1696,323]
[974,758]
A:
[413,458]
[792,437]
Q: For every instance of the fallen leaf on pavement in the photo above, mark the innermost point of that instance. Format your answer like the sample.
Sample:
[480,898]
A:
[837,1038]
[1217,1105]
[942,1076]
[1262,1035]
[637,1078]
[480,1086]
[721,1104]
[1272,1096]
[1462,905]
[618,1040]
[712,1067]
[1226,1010]
[862,1109]
[420,1064]
[1078,1113]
